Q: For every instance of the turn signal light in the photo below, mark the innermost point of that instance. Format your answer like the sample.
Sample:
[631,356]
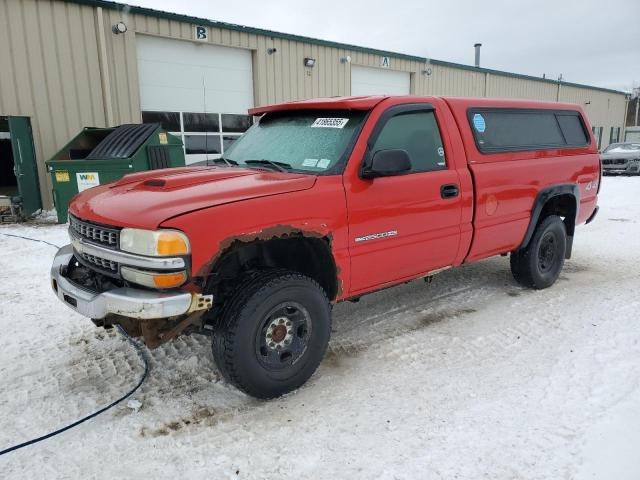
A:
[172,243]
[169,280]
[153,279]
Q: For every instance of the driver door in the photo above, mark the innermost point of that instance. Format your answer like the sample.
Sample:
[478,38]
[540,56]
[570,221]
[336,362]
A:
[405,225]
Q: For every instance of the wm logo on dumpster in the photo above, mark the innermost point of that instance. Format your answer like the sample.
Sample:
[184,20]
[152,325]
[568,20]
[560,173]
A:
[87,180]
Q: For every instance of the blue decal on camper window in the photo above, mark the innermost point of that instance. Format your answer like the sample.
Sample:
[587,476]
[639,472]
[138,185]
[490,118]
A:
[478,123]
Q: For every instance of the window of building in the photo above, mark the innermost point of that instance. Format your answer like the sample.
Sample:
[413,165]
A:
[200,122]
[170,121]
[418,134]
[597,132]
[202,144]
[614,135]
[205,135]
[509,130]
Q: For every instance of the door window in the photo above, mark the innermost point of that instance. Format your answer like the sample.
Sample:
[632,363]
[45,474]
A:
[418,134]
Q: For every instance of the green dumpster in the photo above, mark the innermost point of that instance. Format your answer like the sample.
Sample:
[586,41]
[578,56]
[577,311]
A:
[102,155]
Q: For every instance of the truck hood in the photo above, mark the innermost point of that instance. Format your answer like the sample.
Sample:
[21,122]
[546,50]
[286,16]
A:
[146,199]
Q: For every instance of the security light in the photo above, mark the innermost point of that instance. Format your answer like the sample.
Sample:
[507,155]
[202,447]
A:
[119,27]
[309,62]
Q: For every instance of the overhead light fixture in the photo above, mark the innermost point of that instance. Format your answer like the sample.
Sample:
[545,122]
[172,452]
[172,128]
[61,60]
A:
[346,59]
[309,62]
[271,50]
[427,71]
[119,27]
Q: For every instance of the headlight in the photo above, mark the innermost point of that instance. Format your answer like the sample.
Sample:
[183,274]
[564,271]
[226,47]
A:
[154,243]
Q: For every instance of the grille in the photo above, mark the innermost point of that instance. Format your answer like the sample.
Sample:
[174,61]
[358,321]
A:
[108,265]
[616,161]
[108,237]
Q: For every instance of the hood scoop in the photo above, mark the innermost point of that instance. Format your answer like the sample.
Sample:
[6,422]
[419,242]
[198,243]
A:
[154,183]
[173,178]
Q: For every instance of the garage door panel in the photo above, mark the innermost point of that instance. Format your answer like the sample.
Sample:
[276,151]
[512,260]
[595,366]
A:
[379,81]
[169,76]
[178,75]
[193,97]
[189,53]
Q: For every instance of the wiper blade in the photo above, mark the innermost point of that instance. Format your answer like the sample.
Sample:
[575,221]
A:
[227,161]
[280,166]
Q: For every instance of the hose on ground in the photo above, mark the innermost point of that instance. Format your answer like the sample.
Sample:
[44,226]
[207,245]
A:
[141,354]
[143,358]
[29,238]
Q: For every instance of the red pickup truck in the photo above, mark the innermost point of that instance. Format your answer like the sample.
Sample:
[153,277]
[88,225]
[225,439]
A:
[322,201]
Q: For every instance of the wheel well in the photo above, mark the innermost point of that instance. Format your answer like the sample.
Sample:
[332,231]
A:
[565,206]
[560,200]
[309,256]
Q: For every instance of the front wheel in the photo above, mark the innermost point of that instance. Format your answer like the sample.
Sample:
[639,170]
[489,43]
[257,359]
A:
[273,333]
[540,263]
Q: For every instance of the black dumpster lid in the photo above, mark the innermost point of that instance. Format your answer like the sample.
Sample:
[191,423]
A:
[123,142]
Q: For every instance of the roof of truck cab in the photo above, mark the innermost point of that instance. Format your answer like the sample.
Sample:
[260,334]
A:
[369,102]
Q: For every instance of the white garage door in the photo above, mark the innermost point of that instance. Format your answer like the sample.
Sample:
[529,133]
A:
[378,81]
[200,92]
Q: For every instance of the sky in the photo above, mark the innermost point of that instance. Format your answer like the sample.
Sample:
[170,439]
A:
[591,42]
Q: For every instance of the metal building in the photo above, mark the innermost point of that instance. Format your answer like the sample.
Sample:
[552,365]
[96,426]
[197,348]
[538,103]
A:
[70,64]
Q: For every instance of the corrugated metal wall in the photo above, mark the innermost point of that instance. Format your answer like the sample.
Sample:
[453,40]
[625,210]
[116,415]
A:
[50,70]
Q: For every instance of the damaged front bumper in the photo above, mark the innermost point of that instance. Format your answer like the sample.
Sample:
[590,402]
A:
[125,301]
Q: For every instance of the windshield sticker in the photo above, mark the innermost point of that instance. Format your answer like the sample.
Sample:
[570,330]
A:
[330,122]
[441,151]
[309,162]
[323,163]
[478,123]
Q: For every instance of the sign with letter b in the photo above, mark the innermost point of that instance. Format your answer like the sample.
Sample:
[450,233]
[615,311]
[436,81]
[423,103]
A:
[200,33]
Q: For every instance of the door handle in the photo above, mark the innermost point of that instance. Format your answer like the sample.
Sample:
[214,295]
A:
[449,191]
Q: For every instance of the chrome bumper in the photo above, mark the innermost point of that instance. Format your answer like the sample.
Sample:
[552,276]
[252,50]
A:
[128,302]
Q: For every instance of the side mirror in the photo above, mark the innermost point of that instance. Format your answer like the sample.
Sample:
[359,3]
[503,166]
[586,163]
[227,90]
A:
[387,163]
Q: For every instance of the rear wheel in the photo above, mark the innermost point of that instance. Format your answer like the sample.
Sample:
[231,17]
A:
[540,263]
[274,332]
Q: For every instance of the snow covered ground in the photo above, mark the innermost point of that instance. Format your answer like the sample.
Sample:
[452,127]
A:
[469,377]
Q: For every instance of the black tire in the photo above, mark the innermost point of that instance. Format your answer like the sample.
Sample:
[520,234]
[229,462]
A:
[264,303]
[540,263]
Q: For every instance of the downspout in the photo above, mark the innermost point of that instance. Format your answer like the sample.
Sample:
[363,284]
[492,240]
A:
[104,69]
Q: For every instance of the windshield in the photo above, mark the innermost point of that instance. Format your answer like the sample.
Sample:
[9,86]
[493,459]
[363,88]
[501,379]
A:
[313,141]
[622,147]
